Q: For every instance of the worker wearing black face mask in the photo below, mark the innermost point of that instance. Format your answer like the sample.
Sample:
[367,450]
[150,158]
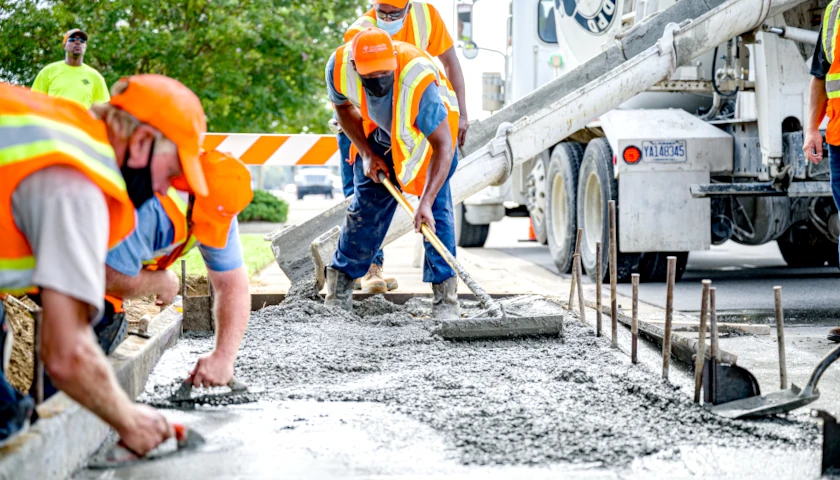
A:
[401,114]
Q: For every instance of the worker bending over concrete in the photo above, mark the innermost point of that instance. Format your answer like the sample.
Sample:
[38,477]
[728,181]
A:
[402,117]
[419,24]
[70,186]
[168,226]
[825,97]
[71,78]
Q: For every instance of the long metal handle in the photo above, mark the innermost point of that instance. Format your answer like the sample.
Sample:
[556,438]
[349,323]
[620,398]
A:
[483,298]
[821,368]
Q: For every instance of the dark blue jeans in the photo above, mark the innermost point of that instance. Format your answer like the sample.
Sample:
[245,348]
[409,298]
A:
[834,167]
[369,217]
[347,181]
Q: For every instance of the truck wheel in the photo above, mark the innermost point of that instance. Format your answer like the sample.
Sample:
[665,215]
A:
[466,234]
[561,205]
[596,187]
[653,266]
[537,197]
[805,255]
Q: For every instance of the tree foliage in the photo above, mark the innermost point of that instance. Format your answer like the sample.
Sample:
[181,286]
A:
[257,65]
[265,207]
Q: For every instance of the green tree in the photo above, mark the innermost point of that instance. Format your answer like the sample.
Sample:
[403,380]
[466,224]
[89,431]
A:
[257,65]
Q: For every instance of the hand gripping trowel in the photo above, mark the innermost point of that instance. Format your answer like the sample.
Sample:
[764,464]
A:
[118,455]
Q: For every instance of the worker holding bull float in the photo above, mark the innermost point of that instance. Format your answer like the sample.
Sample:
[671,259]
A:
[419,24]
[70,185]
[825,98]
[401,114]
[168,226]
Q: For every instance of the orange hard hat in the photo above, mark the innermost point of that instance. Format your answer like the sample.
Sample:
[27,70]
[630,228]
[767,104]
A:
[373,51]
[171,107]
[229,182]
[393,3]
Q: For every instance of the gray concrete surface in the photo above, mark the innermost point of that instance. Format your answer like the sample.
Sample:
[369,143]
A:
[66,434]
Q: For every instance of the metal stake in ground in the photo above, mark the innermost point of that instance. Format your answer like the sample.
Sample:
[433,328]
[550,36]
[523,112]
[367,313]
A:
[581,303]
[713,347]
[575,274]
[780,332]
[598,281]
[634,324]
[613,275]
[669,317]
[184,293]
[701,341]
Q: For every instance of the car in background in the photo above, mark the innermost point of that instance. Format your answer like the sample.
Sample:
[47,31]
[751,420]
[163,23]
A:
[314,181]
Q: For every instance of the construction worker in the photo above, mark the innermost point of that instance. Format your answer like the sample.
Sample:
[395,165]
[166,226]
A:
[402,117]
[70,185]
[825,98]
[419,24]
[167,227]
[71,78]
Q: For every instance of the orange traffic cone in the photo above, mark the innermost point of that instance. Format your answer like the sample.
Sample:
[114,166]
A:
[532,237]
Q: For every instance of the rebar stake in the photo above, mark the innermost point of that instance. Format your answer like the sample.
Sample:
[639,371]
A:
[581,303]
[613,275]
[700,358]
[574,271]
[780,333]
[598,282]
[669,317]
[634,324]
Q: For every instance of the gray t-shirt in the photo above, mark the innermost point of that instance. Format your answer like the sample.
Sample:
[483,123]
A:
[64,216]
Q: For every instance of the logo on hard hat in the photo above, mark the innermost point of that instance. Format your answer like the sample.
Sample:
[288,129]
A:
[374,48]
[595,20]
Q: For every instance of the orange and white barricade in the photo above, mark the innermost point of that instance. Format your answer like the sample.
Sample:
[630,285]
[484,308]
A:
[276,149]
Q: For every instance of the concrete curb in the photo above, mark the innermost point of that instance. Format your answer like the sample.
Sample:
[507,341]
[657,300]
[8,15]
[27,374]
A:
[66,434]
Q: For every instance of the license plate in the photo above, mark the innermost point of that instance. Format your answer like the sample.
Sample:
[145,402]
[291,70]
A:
[664,151]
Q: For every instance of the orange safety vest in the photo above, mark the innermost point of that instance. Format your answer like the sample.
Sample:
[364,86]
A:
[831,30]
[417,29]
[36,132]
[410,149]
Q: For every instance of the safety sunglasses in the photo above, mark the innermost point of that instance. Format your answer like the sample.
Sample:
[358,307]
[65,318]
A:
[391,16]
[76,39]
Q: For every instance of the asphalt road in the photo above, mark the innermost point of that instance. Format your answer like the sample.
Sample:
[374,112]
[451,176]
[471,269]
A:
[743,276]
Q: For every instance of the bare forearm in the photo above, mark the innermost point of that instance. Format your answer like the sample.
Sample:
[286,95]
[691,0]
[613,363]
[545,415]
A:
[351,124]
[76,364]
[440,163]
[232,309]
[456,78]
[816,105]
[146,283]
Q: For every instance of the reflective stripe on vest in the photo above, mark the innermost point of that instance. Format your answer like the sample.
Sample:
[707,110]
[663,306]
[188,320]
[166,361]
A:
[350,81]
[31,142]
[831,30]
[176,209]
[419,17]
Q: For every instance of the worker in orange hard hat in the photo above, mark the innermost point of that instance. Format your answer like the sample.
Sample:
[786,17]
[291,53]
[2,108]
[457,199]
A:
[419,24]
[168,226]
[69,189]
[402,116]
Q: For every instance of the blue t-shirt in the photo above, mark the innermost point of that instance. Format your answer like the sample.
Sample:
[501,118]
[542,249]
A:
[154,231]
[431,113]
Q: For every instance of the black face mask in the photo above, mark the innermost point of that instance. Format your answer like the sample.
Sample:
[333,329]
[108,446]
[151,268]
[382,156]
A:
[379,86]
[138,181]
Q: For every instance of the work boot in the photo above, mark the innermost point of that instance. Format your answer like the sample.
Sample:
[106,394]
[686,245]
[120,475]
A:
[445,304]
[339,290]
[390,282]
[834,334]
[372,282]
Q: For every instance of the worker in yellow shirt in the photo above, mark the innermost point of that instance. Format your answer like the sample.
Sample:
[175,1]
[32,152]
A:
[71,78]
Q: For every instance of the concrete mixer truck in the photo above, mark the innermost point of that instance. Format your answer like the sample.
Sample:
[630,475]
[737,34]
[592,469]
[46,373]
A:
[711,154]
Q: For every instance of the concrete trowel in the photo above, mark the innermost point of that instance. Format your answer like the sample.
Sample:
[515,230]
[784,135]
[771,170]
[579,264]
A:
[779,402]
[182,398]
[119,456]
[494,322]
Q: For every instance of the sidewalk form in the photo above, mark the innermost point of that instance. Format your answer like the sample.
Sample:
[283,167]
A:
[66,434]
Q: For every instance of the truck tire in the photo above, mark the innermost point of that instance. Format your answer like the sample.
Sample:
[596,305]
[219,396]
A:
[596,187]
[805,255]
[468,235]
[538,193]
[653,266]
[561,204]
